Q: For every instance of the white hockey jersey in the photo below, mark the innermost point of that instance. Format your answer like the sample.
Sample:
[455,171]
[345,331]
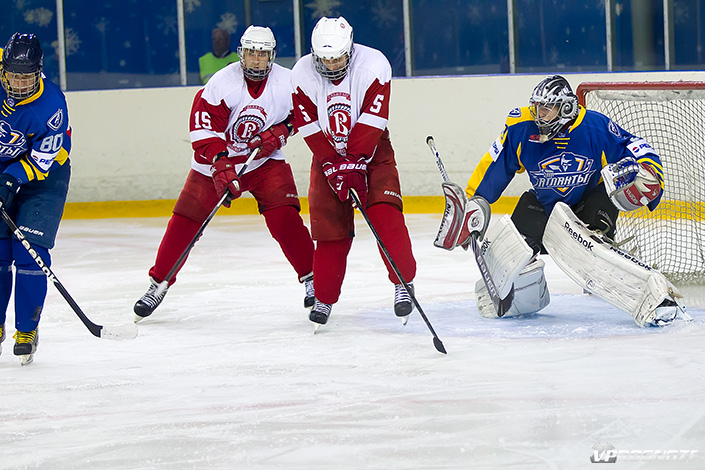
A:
[225,115]
[346,117]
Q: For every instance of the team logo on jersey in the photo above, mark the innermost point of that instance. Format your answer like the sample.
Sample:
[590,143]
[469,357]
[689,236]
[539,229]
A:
[614,128]
[12,142]
[339,120]
[562,173]
[56,120]
[515,113]
[246,127]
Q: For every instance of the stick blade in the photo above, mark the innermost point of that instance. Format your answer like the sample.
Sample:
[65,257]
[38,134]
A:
[439,345]
[505,304]
[119,332]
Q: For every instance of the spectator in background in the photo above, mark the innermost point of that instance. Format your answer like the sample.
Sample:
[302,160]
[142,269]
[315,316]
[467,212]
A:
[221,56]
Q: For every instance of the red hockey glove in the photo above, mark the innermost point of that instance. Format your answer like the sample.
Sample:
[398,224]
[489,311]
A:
[270,140]
[345,174]
[225,179]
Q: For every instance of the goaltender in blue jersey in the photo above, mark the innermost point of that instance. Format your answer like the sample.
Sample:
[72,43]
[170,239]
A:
[583,169]
[564,166]
[35,141]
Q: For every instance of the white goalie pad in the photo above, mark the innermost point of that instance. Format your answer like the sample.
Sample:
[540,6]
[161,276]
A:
[603,269]
[506,253]
[530,293]
[461,218]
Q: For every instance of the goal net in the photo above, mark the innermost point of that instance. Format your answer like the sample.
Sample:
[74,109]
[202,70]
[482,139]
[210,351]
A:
[669,115]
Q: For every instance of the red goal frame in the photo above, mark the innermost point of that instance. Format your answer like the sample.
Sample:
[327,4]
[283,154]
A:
[586,87]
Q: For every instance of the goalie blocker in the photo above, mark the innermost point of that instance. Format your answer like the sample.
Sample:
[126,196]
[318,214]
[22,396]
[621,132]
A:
[602,269]
[505,253]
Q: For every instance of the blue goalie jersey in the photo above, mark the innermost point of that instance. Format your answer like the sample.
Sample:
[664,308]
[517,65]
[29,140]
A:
[34,133]
[564,168]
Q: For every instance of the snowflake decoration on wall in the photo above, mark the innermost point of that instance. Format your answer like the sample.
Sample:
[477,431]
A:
[71,42]
[191,5]
[383,15]
[228,22]
[39,16]
[167,24]
[323,7]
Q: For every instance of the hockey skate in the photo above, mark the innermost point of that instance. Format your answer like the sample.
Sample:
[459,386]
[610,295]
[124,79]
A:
[668,311]
[309,297]
[402,301]
[149,301]
[26,346]
[319,314]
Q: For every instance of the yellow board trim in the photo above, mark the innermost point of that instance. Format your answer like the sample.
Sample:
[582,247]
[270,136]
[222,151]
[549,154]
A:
[243,206]
[667,210]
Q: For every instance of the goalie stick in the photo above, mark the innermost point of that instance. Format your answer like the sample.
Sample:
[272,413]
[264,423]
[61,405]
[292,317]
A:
[165,283]
[436,340]
[502,305]
[127,331]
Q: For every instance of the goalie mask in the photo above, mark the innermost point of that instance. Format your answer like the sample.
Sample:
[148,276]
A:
[553,105]
[257,52]
[21,67]
[331,47]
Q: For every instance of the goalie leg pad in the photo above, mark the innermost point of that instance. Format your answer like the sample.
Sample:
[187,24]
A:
[506,254]
[530,293]
[602,269]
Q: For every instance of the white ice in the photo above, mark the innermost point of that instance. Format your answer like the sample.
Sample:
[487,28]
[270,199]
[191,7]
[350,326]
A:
[227,374]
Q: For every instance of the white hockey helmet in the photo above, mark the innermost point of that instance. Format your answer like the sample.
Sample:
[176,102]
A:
[332,40]
[257,38]
[553,105]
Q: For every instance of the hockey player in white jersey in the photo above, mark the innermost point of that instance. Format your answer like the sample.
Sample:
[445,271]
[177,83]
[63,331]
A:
[341,106]
[584,169]
[244,106]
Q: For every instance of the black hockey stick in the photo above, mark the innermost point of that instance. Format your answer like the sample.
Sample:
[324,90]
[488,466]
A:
[502,306]
[165,283]
[436,340]
[128,331]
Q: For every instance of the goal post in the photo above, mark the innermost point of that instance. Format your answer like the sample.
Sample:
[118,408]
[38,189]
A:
[671,117]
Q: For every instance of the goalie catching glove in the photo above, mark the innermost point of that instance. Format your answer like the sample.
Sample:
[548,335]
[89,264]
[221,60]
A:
[462,217]
[225,178]
[630,184]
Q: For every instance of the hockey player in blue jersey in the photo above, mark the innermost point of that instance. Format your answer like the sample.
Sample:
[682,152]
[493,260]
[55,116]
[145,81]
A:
[587,169]
[35,141]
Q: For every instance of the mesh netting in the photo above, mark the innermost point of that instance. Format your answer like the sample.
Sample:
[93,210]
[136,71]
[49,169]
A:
[671,237]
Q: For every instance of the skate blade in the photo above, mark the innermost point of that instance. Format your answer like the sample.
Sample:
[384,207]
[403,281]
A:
[26,359]
[316,327]
[405,320]
[138,318]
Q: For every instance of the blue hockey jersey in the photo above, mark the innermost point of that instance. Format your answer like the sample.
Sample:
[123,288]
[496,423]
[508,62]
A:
[565,167]
[34,133]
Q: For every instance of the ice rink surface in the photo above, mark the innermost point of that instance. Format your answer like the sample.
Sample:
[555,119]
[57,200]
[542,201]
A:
[227,374]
